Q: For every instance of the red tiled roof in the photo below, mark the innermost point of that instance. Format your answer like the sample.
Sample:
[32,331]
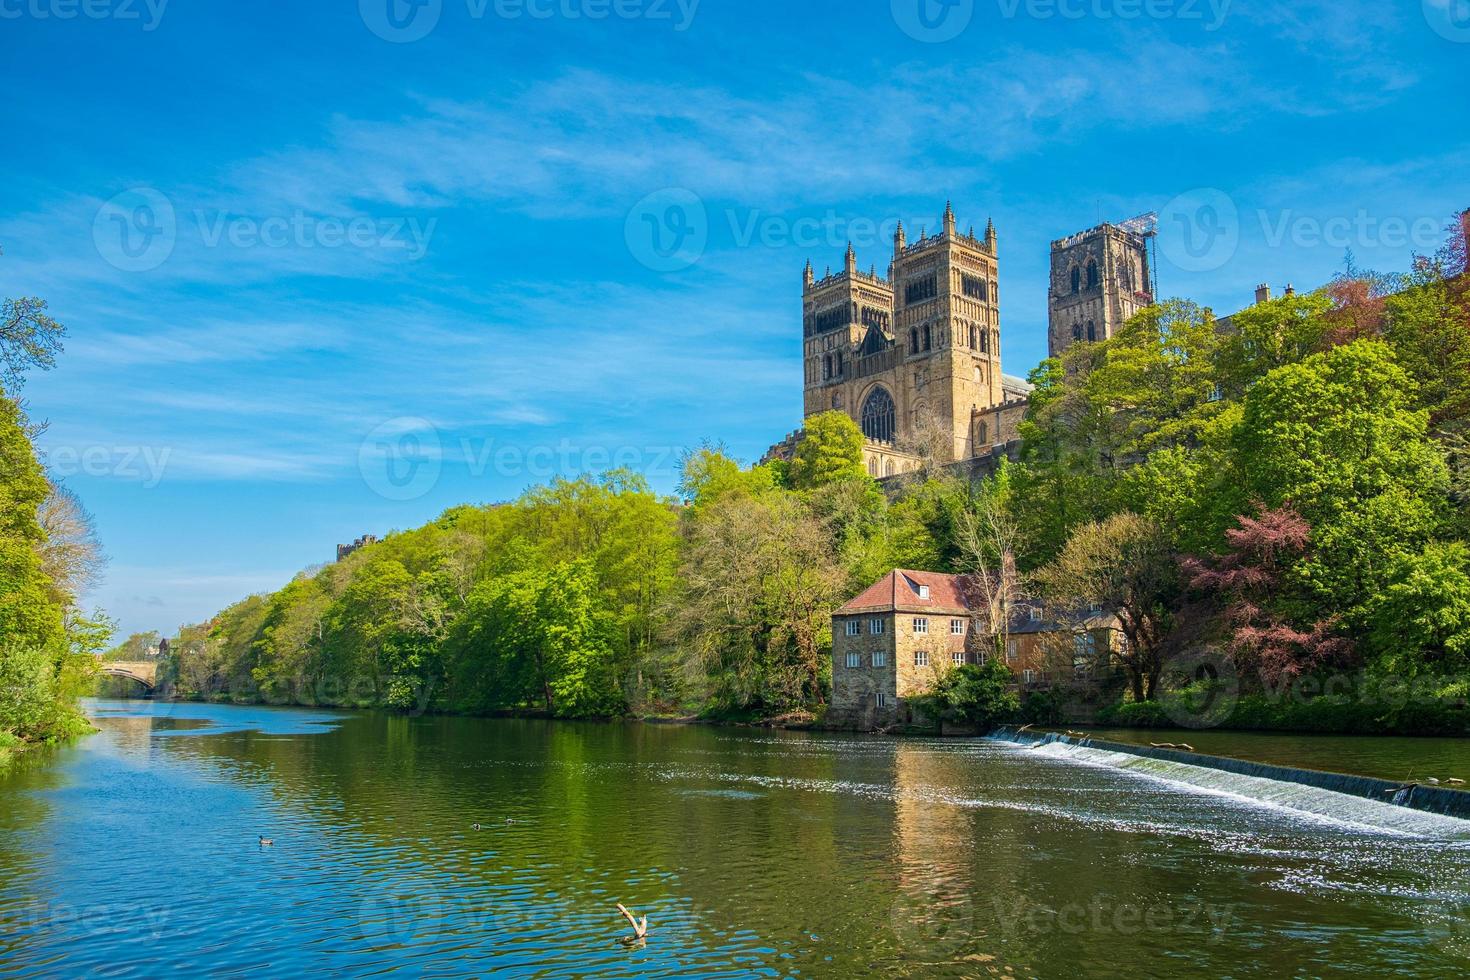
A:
[899,589]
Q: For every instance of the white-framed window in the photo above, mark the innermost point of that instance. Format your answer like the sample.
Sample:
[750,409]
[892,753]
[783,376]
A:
[1035,613]
[1029,676]
[957,627]
[880,659]
[921,625]
[875,626]
[984,658]
[854,627]
[959,659]
[1013,650]
[854,660]
[921,658]
[923,592]
[882,700]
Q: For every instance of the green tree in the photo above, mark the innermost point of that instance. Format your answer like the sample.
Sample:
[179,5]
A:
[29,338]
[830,451]
[1338,438]
[1124,565]
[980,695]
[1421,621]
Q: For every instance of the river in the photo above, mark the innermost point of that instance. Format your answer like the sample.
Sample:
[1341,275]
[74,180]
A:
[754,854]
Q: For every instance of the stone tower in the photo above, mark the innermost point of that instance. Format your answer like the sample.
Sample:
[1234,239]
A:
[914,359]
[1099,278]
[946,317]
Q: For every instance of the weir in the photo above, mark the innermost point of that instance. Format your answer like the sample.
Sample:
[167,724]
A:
[1258,777]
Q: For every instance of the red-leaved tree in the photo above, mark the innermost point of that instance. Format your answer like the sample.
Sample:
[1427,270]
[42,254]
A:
[1247,590]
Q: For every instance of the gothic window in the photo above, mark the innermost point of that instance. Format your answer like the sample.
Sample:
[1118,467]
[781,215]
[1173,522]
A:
[1076,331]
[1076,279]
[1126,274]
[1092,275]
[974,337]
[928,337]
[919,290]
[985,342]
[827,367]
[1091,331]
[879,416]
[975,287]
[872,466]
[836,402]
[914,341]
[839,364]
[984,435]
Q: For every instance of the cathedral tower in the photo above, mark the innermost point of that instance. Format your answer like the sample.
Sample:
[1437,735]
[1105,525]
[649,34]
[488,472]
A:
[913,359]
[947,321]
[1099,278]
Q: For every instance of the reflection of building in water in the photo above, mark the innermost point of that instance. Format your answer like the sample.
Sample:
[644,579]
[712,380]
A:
[934,913]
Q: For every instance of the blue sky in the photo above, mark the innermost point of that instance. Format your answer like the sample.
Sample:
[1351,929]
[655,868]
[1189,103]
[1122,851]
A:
[332,267]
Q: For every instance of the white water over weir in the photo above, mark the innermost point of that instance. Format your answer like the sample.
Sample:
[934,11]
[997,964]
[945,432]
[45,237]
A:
[1407,808]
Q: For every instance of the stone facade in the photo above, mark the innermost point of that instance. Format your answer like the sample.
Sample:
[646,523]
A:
[1099,278]
[892,642]
[913,358]
[895,639]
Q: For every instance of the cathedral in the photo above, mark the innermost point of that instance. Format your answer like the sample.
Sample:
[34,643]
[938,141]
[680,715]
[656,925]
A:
[915,358]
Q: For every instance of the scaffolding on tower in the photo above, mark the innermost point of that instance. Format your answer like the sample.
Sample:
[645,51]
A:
[1146,226]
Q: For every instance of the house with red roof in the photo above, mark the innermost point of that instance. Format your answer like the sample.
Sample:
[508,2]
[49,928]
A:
[898,636]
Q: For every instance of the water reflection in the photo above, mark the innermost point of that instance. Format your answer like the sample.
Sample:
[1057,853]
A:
[751,853]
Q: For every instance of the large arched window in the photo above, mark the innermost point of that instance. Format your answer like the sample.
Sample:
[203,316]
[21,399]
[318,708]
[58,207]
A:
[1076,279]
[914,340]
[1091,331]
[879,416]
[1091,275]
[1076,331]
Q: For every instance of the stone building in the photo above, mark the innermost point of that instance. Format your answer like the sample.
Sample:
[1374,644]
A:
[344,550]
[897,637]
[914,358]
[1099,278]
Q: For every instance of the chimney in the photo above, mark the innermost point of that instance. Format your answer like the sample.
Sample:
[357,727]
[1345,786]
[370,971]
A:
[1290,290]
[1263,293]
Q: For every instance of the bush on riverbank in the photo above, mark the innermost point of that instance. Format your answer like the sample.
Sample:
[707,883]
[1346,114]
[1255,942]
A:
[1326,714]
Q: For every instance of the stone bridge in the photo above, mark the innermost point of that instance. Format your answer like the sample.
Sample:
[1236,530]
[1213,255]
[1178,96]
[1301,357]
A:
[145,673]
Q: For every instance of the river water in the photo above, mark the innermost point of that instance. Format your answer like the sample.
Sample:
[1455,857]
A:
[754,854]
